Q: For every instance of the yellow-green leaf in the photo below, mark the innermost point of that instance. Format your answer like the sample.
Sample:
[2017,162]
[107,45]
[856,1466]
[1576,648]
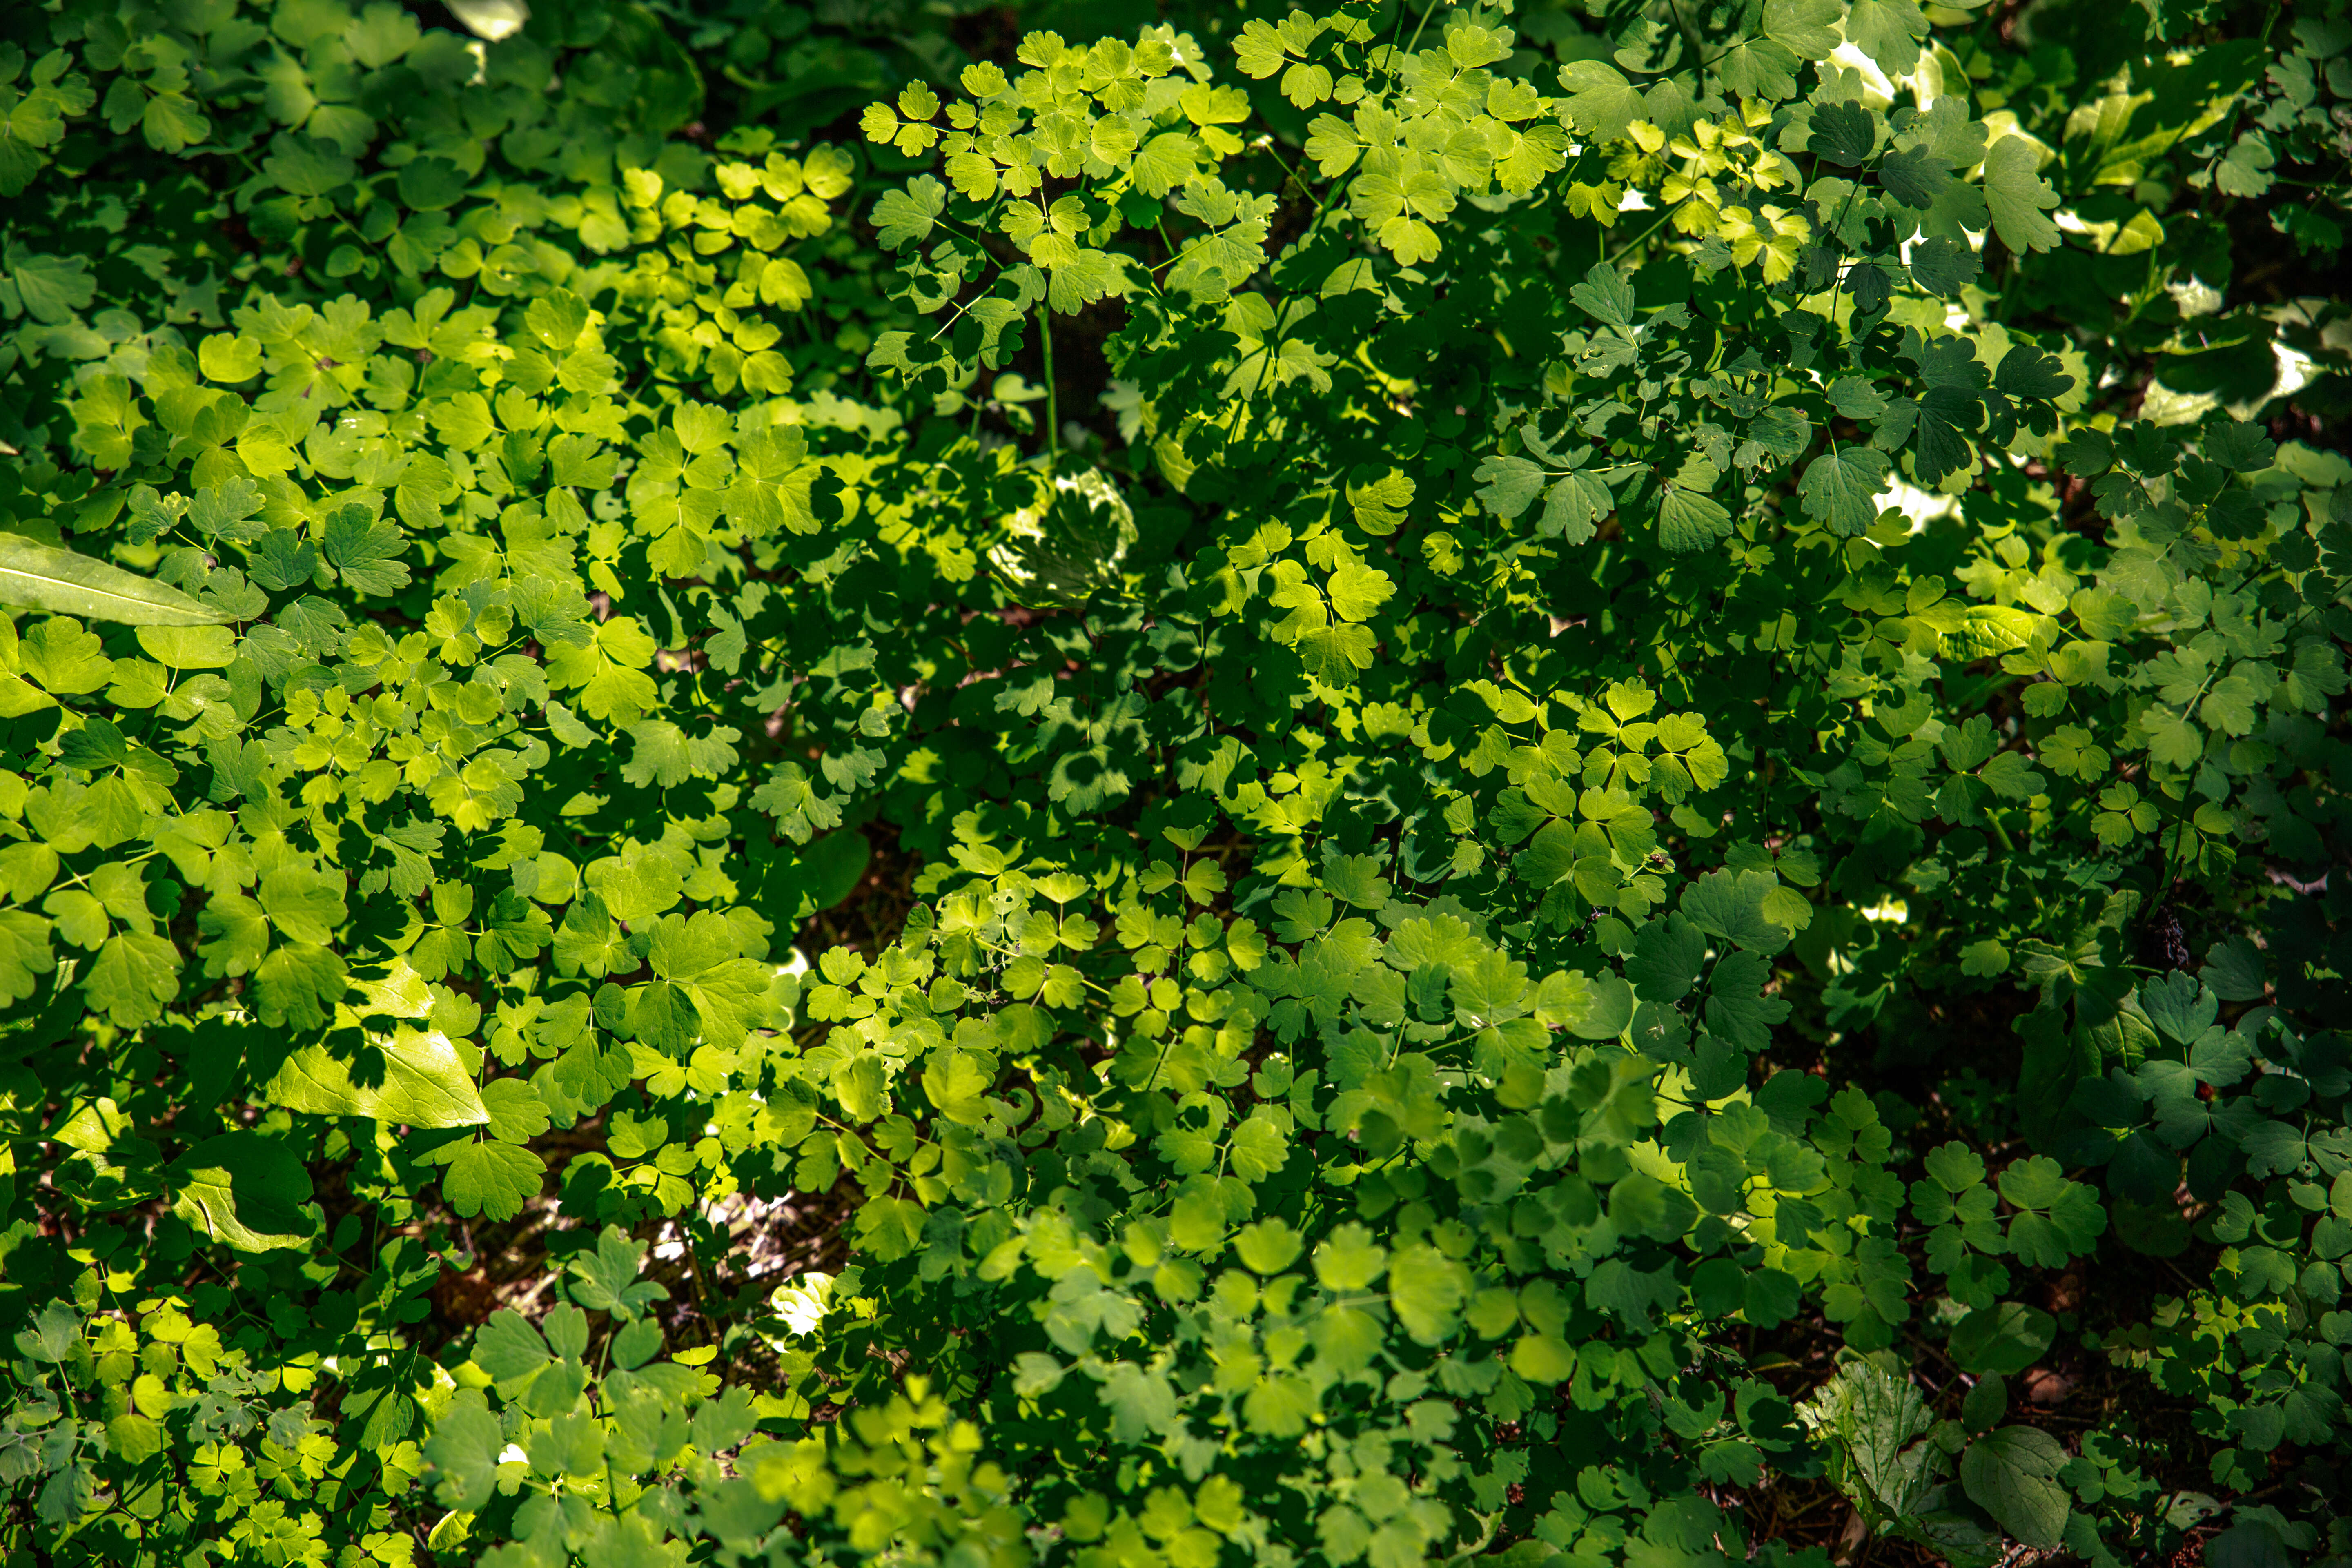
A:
[46,578]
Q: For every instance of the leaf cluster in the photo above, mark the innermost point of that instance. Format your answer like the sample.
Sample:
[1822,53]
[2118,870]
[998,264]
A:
[1379,787]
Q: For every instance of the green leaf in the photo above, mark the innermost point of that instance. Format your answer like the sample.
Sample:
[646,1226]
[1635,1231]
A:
[1729,906]
[189,647]
[508,1348]
[557,318]
[1668,956]
[1807,28]
[25,953]
[2003,1339]
[1259,1149]
[1878,1418]
[1943,266]
[245,1189]
[63,656]
[493,1180]
[1985,957]
[1349,1259]
[2058,1220]
[1985,1404]
[1990,630]
[839,861]
[431,184]
[1540,1358]
[1914,176]
[135,1437]
[2238,446]
[1426,1289]
[410,1076]
[1140,1402]
[305,905]
[53,288]
[605,1280]
[305,168]
[1844,132]
[906,216]
[1840,488]
[1611,1010]
[1269,1247]
[135,974]
[2027,372]
[956,1083]
[1165,162]
[2180,1007]
[1889,31]
[1688,521]
[298,983]
[1509,486]
[1604,295]
[365,551]
[45,577]
[462,1455]
[516,1111]
[1358,590]
[738,1513]
[1355,879]
[2011,1475]
[1600,100]
[53,1334]
[229,359]
[1334,654]
[1379,500]
[2017,197]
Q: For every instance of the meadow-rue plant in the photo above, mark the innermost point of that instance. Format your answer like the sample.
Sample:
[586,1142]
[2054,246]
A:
[1001,786]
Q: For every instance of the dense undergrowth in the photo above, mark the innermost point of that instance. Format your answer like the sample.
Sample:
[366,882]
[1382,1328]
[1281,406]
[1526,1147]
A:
[970,785]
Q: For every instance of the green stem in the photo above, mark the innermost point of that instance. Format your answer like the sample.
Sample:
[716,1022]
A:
[1271,151]
[1690,35]
[1663,213]
[1971,695]
[1992,820]
[1426,12]
[1053,392]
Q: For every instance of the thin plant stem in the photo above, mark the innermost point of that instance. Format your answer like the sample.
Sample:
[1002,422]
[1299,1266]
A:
[1052,390]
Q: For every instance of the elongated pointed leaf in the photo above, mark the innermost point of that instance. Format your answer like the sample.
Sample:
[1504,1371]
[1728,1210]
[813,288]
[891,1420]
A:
[410,1076]
[43,577]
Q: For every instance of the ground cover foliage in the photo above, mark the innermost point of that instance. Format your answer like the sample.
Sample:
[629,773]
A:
[787,784]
